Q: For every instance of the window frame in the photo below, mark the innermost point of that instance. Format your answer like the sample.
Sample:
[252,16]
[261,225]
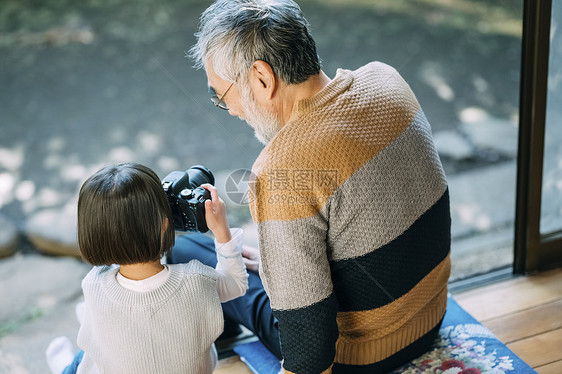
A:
[533,251]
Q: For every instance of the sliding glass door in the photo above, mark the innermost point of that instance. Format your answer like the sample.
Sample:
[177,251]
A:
[551,207]
[538,240]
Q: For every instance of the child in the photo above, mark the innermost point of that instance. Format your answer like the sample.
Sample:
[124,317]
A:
[141,316]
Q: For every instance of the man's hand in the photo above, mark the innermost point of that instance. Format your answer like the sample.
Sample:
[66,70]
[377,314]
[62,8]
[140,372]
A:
[251,257]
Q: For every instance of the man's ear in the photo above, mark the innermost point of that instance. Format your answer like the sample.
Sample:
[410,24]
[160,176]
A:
[262,80]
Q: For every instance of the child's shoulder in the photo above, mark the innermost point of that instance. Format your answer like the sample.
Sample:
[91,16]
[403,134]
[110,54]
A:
[195,267]
[98,272]
[98,275]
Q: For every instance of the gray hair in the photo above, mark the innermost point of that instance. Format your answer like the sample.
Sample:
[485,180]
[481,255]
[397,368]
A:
[235,33]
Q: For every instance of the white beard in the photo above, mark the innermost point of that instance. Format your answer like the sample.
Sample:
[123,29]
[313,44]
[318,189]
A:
[266,124]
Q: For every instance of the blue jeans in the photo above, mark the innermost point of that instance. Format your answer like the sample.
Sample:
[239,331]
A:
[73,367]
[251,310]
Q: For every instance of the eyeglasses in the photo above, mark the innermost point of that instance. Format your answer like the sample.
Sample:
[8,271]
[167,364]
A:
[219,103]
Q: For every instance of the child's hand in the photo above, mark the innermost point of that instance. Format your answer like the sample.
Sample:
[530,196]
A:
[215,215]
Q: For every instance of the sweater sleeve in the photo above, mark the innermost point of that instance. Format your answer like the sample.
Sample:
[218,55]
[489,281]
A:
[296,275]
[233,277]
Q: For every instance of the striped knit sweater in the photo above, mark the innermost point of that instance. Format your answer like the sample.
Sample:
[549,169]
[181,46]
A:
[353,217]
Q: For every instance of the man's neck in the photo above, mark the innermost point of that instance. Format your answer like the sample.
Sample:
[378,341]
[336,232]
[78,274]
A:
[296,92]
[141,270]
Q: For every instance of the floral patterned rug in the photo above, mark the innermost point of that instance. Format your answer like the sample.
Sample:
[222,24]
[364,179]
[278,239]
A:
[464,346]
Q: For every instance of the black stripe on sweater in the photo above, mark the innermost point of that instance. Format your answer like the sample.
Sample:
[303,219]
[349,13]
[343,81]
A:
[308,336]
[378,278]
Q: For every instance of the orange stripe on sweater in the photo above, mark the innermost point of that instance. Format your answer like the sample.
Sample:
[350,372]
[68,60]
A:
[370,336]
[339,137]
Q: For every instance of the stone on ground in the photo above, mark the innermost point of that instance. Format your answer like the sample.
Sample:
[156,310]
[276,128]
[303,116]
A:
[54,231]
[8,237]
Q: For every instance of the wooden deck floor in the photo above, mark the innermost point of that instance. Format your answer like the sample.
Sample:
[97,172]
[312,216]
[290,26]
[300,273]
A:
[525,313]
[232,365]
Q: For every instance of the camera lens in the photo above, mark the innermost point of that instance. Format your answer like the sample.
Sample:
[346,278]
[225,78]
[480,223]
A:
[199,175]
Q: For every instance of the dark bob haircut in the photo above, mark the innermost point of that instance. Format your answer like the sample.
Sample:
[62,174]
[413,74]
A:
[121,211]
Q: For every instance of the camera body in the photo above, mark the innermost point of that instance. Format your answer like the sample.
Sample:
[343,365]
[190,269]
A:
[187,197]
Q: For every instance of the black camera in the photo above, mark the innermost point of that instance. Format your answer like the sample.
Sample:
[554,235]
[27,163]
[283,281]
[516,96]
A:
[187,197]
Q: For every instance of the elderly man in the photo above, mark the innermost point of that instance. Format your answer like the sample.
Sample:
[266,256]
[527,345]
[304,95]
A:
[351,201]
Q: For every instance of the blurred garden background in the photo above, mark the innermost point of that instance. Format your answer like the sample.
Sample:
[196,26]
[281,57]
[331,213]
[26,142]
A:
[102,81]
[89,83]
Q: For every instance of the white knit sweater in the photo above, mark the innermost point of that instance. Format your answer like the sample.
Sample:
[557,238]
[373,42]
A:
[169,329]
